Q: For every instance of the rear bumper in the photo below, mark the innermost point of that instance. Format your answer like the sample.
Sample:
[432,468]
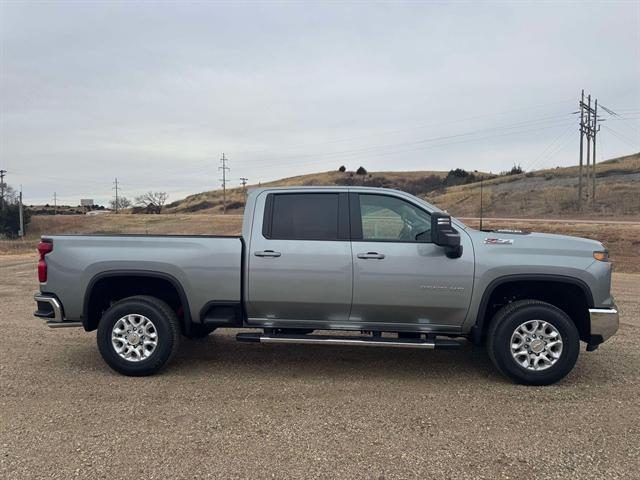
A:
[50,309]
[604,323]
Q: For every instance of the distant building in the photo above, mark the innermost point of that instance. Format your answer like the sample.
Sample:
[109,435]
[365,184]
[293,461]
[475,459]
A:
[86,202]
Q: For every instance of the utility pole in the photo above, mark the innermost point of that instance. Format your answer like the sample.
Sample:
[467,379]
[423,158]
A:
[588,144]
[224,169]
[55,203]
[589,127]
[115,187]
[21,231]
[243,181]
[581,149]
[2,174]
[596,129]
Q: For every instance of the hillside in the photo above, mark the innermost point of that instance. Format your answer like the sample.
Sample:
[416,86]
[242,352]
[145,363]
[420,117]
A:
[530,194]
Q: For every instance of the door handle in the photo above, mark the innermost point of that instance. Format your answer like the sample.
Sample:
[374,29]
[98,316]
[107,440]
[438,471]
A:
[267,253]
[374,255]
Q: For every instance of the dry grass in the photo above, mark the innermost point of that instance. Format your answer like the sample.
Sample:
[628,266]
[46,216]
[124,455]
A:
[623,241]
[533,194]
[211,202]
[550,193]
[202,224]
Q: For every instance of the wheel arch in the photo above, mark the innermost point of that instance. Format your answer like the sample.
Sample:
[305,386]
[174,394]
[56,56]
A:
[534,287]
[93,301]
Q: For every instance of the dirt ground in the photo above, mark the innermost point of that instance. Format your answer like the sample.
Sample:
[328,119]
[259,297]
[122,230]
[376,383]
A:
[229,410]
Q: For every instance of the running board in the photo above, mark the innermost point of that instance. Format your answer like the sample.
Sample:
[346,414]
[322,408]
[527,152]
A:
[430,343]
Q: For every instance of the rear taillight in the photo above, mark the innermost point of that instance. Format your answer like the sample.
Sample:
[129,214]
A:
[43,249]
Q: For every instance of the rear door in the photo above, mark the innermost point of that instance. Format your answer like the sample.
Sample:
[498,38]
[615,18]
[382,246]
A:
[400,276]
[300,264]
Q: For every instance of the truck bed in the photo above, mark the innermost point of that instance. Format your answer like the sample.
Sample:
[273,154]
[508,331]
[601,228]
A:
[208,268]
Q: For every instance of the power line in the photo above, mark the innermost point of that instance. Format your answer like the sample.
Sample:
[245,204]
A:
[424,146]
[550,150]
[430,124]
[224,169]
[305,147]
[619,136]
[362,150]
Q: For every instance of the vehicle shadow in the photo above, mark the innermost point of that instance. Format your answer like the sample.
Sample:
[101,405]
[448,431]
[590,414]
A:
[221,350]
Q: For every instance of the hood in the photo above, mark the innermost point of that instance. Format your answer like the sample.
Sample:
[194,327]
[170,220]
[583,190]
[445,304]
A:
[552,244]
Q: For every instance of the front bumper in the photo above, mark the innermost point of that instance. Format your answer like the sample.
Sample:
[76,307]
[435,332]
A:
[604,323]
[50,309]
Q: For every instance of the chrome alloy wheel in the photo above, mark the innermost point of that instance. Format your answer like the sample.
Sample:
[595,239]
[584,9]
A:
[134,337]
[536,345]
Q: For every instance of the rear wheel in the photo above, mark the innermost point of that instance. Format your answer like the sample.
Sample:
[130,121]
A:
[533,342]
[137,336]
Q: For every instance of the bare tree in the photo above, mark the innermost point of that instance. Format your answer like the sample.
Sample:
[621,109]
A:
[10,196]
[152,201]
[123,202]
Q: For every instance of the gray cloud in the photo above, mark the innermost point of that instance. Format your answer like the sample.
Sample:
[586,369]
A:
[153,93]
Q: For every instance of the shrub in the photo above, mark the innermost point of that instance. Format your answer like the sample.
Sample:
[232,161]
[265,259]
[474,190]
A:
[10,220]
[515,170]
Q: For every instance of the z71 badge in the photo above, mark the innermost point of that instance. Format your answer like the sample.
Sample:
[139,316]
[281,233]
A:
[498,241]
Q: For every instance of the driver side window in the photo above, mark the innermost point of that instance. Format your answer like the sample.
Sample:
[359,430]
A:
[390,219]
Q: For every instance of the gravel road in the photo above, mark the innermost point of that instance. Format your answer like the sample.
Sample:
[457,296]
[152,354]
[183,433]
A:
[230,410]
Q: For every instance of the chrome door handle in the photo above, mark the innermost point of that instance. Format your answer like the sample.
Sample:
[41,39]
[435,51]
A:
[267,253]
[374,255]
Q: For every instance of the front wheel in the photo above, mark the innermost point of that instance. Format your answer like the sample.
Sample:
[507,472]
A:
[533,342]
[137,336]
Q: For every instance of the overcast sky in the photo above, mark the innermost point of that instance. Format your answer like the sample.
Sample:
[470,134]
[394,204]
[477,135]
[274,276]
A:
[154,93]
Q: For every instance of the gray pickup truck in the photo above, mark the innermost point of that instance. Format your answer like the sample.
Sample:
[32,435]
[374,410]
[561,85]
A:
[370,267]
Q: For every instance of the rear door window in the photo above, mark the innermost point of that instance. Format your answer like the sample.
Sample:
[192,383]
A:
[303,216]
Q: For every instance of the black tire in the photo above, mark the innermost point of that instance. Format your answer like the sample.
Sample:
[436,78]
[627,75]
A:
[509,318]
[199,331]
[166,325]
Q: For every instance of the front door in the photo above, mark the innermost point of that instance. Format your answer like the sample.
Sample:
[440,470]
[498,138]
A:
[300,266]
[400,277]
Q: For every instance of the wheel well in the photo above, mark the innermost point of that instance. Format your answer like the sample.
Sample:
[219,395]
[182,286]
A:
[568,297]
[109,289]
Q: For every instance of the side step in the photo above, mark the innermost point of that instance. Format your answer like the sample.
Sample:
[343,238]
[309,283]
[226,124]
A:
[430,343]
